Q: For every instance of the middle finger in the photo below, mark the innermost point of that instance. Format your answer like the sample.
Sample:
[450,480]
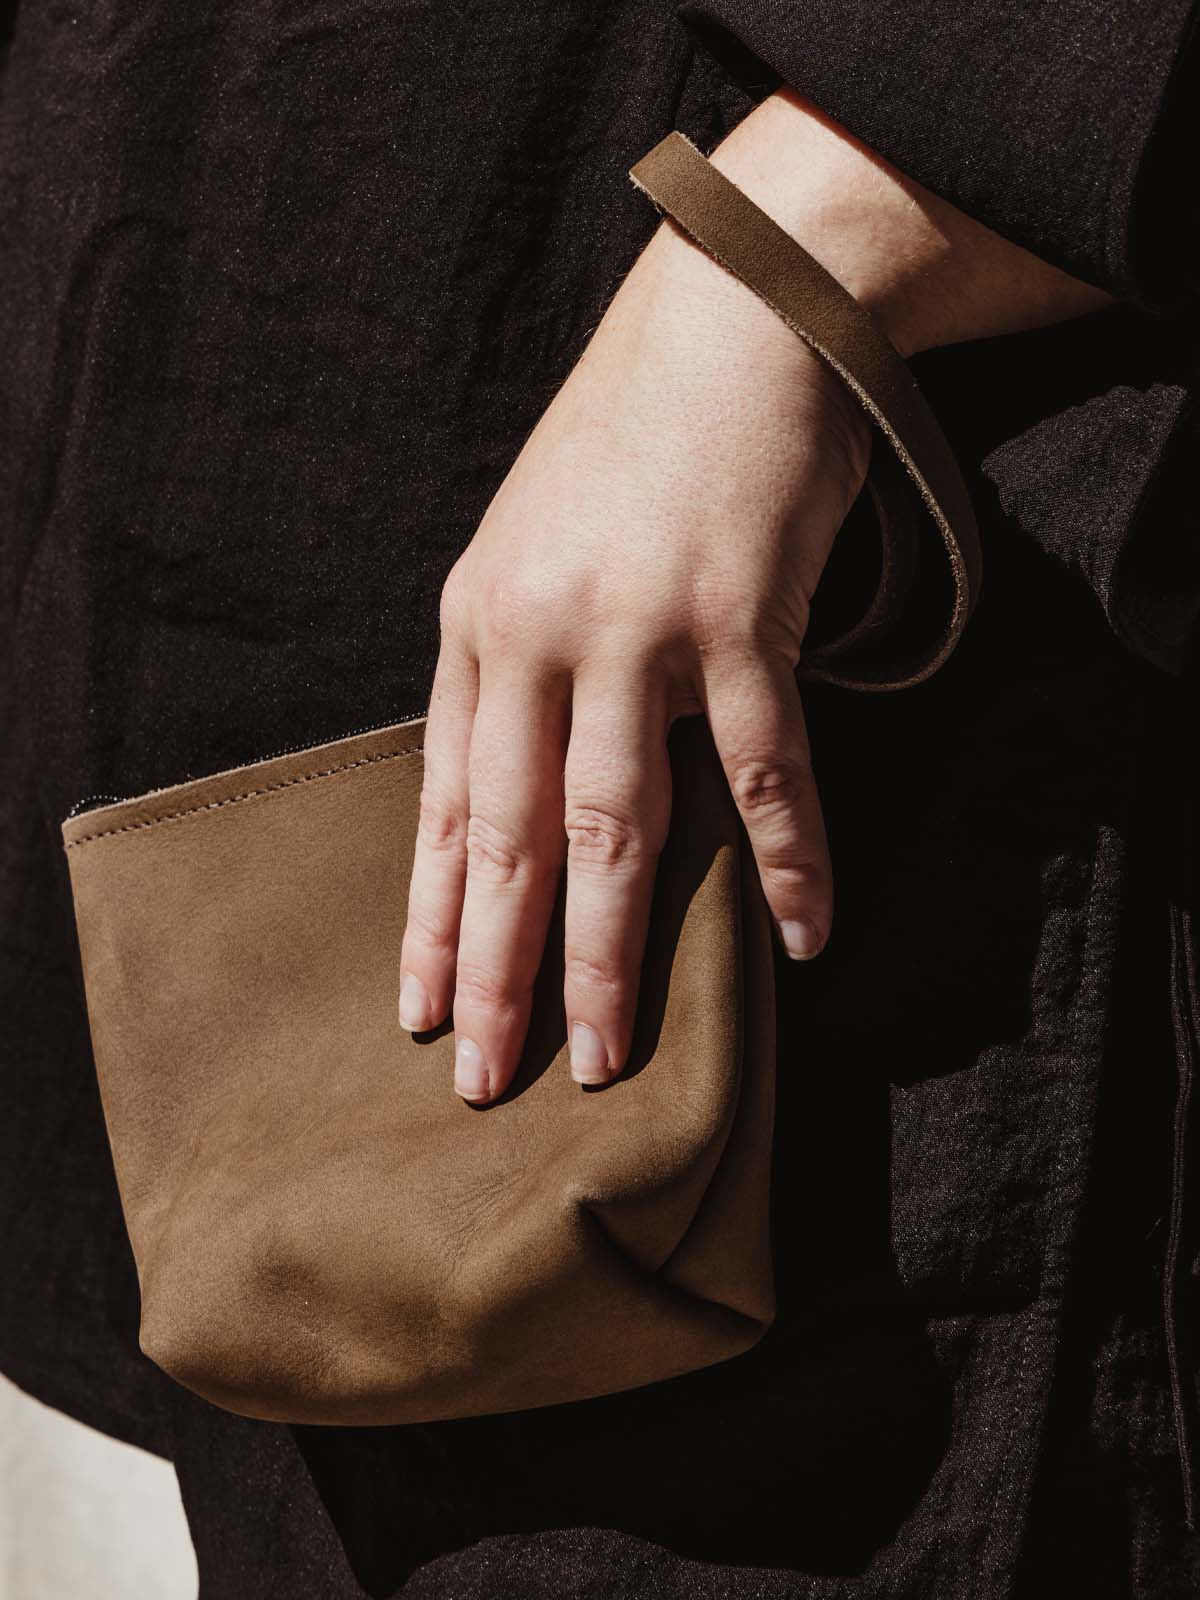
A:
[515,849]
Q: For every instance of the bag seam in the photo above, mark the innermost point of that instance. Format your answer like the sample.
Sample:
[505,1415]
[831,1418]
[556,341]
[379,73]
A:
[248,794]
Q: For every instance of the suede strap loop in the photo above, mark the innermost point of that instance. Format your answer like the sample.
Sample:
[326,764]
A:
[728,225]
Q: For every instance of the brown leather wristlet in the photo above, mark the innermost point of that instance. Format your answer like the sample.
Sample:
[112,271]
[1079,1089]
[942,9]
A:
[727,224]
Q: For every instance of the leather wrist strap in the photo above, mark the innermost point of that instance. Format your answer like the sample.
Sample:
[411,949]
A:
[727,224]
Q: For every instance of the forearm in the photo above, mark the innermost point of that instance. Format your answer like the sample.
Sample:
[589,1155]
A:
[930,274]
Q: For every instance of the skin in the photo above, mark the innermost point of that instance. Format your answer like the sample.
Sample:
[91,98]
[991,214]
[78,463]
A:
[653,554]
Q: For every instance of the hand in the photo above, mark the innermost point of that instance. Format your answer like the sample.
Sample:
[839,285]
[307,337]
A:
[652,554]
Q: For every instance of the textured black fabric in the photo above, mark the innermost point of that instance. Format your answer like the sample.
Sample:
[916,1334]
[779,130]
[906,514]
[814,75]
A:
[1039,117]
[1087,434]
[282,291]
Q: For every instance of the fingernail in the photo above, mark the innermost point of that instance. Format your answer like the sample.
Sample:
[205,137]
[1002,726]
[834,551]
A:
[470,1073]
[415,1010]
[589,1059]
[800,940]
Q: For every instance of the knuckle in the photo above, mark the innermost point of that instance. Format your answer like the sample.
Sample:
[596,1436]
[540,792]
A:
[801,878]
[431,933]
[512,606]
[737,633]
[762,787]
[492,853]
[590,972]
[486,989]
[440,824]
[599,836]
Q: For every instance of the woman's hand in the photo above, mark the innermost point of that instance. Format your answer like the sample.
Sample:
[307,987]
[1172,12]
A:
[652,553]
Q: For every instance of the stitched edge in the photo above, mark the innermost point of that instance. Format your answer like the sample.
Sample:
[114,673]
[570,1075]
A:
[249,794]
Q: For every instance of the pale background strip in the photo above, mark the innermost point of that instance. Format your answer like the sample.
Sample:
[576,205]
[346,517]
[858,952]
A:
[83,1517]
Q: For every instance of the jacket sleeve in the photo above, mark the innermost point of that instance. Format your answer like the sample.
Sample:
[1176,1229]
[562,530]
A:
[1068,126]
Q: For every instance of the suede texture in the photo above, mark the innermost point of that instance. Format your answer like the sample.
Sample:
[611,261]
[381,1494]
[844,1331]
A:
[324,1232]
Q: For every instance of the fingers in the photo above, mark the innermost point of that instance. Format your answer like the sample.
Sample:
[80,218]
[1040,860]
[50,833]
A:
[497,819]
[758,726]
[617,805]
[507,796]
[514,853]
[439,870]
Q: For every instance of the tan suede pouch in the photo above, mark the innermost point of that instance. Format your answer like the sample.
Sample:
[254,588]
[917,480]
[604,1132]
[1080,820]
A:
[324,1231]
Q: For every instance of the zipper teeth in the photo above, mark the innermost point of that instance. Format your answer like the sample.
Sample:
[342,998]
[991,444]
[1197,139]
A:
[91,801]
[333,738]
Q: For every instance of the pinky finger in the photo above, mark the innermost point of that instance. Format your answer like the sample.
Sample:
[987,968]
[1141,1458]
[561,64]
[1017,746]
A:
[758,725]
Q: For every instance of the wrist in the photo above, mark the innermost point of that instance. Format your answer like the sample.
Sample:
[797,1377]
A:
[682,312]
[928,273]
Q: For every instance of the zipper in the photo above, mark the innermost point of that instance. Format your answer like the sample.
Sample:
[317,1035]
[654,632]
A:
[95,801]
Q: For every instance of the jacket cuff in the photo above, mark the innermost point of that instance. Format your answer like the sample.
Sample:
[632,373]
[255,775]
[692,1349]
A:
[1065,125]
[1120,529]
